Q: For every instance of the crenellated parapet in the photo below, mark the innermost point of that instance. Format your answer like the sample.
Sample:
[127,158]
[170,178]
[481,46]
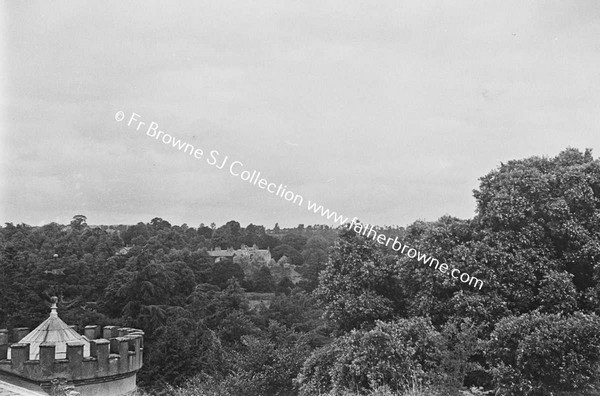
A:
[114,352]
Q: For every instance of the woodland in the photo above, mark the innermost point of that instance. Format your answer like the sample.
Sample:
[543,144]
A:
[334,313]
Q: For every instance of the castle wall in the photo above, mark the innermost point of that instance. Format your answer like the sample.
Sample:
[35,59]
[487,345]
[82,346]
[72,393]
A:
[116,354]
[116,387]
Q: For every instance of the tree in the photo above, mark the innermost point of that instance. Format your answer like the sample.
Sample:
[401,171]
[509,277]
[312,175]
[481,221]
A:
[263,364]
[543,212]
[392,354]
[268,242]
[181,348]
[557,293]
[549,203]
[212,305]
[159,223]
[252,235]
[315,259]
[206,232]
[79,222]
[138,233]
[299,311]
[285,286]
[535,228]
[228,235]
[539,354]
[359,285]
[296,241]
[263,280]
[223,271]
[286,250]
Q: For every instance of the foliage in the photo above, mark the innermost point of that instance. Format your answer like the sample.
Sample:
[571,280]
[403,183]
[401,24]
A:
[263,364]
[60,387]
[222,272]
[297,241]
[396,354]
[358,285]
[263,281]
[355,322]
[288,251]
[535,242]
[227,236]
[540,354]
[315,259]
[557,293]
[156,276]
[180,349]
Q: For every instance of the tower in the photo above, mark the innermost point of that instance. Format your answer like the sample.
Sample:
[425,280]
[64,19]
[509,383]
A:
[99,362]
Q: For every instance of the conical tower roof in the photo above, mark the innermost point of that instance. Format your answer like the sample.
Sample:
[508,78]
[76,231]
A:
[55,331]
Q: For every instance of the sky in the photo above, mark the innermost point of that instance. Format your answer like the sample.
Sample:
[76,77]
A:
[389,111]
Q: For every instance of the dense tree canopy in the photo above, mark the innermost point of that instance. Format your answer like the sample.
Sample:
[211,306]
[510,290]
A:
[342,313]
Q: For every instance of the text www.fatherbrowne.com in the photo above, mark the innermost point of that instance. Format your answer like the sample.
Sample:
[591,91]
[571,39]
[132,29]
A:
[236,168]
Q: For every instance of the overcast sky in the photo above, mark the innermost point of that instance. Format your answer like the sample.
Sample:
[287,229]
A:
[385,110]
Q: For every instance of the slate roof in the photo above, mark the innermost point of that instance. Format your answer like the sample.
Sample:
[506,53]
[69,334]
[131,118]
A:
[8,389]
[56,331]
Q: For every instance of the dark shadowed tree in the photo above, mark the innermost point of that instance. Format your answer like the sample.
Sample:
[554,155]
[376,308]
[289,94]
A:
[263,281]
[228,236]
[79,222]
[223,271]
[315,259]
[294,240]
[286,250]
[359,284]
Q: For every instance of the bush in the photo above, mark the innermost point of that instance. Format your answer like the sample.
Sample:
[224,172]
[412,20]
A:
[393,354]
[542,354]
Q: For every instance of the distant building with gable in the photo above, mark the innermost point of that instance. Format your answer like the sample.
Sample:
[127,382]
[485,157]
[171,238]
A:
[254,252]
[221,254]
[244,252]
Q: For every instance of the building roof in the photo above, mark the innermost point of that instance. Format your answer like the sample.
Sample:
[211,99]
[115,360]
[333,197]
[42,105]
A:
[221,253]
[55,331]
[230,252]
[9,389]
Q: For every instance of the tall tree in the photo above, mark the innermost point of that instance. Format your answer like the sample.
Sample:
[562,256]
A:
[79,222]
[359,284]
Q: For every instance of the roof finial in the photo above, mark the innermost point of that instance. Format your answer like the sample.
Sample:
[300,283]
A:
[54,308]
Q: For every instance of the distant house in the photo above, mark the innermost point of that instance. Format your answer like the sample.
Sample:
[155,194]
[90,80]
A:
[221,255]
[254,252]
[245,251]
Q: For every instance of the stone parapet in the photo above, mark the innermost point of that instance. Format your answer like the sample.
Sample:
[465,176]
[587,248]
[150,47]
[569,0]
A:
[119,354]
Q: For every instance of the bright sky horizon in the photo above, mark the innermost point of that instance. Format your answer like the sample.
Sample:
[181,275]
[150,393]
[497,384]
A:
[387,111]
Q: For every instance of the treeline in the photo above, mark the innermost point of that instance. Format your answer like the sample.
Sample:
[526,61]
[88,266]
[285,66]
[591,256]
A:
[161,278]
[87,265]
[361,319]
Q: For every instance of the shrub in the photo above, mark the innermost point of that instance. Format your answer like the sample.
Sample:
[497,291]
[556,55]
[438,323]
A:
[393,354]
[462,345]
[542,354]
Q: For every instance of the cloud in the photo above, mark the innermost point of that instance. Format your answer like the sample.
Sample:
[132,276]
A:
[395,108]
